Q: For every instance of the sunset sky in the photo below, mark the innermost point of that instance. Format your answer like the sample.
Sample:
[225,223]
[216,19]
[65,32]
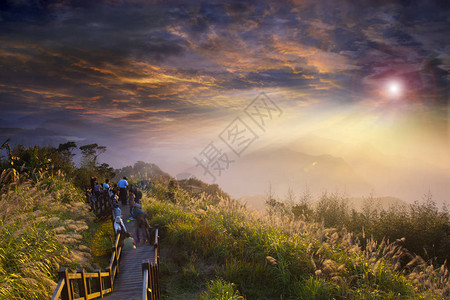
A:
[159,80]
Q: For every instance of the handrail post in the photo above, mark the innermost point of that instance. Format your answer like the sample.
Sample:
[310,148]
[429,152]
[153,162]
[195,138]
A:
[104,204]
[145,279]
[156,247]
[66,293]
[115,251]
[107,202]
[158,292]
[116,261]
[100,281]
[82,285]
[110,277]
[155,243]
[114,264]
[100,204]
[88,286]
[153,283]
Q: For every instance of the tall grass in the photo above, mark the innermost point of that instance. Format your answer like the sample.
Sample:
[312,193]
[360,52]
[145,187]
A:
[424,228]
[282,257]
[44,225]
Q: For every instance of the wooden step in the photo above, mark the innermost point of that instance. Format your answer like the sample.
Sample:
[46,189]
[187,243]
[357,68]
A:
[128,283]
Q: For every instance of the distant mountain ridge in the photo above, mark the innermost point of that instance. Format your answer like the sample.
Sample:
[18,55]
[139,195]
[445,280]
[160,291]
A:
[399,175]
[284,168]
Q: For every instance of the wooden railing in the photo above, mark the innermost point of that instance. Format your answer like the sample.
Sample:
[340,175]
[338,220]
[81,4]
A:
[150,270]
[101,205]
[83,285]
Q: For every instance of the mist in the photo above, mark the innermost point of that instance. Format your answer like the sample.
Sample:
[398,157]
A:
[391,151]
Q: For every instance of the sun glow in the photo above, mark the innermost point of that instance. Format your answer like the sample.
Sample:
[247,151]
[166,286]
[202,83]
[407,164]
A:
[394,88]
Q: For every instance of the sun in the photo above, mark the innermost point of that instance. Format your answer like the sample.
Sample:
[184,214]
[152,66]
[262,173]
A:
[394,88]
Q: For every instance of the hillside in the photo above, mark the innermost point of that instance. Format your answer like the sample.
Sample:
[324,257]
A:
[215,248]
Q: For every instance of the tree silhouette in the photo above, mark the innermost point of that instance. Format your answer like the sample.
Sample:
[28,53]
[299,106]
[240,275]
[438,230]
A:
[90,154]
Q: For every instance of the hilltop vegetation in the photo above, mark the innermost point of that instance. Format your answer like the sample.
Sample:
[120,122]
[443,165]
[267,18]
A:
[214,248]
[141,171]
[196,187]
[32,160]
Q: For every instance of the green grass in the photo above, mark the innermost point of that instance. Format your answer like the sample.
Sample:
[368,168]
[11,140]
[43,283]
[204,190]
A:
[222,246]
[221,290]
[44,225]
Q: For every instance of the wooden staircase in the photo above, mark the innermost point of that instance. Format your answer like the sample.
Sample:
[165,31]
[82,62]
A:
[126,278]
[128,283]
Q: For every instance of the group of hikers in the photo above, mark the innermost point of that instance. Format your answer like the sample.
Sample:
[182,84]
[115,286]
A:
[123,193]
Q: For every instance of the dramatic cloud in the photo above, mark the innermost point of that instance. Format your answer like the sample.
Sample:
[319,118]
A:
[151,74]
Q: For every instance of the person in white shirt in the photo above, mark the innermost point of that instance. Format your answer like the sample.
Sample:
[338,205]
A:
[119,227]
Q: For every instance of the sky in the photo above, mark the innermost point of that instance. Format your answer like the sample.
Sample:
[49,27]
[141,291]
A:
[160,80]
